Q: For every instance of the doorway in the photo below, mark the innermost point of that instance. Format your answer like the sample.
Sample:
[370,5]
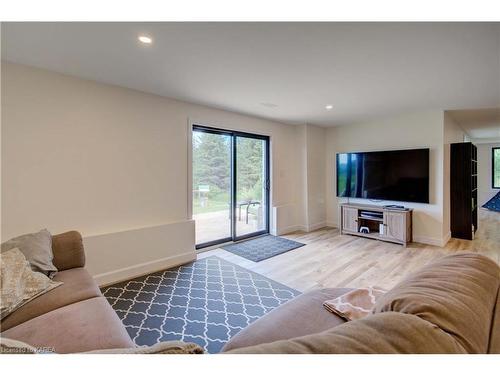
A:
[231,185]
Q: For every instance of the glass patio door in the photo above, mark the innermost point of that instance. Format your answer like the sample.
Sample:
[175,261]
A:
[230,185]
[251,205]
[212,186]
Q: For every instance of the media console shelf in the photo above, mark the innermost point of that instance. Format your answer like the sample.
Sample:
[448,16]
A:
[384,224]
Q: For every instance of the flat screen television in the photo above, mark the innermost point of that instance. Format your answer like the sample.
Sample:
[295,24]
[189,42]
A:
[400,175]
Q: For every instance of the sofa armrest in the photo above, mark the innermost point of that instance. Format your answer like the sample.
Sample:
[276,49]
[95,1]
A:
[68,250]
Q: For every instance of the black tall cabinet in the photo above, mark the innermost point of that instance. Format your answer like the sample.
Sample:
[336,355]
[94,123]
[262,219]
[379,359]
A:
[463,186]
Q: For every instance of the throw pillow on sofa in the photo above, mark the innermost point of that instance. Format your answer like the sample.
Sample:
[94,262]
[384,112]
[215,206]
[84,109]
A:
[37,248]
[19,283]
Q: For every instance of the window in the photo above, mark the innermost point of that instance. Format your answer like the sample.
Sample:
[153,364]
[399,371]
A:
[495,164]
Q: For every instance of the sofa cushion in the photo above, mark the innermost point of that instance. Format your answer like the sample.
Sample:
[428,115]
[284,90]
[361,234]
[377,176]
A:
[300,316]
[384,333]
[83,326]
[77,285]
[456,293]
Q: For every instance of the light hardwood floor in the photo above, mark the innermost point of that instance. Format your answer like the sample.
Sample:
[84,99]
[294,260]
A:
[333,260]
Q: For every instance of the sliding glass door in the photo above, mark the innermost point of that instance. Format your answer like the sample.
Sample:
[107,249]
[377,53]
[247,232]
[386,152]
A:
[251,186]
[230,185]
[212,159]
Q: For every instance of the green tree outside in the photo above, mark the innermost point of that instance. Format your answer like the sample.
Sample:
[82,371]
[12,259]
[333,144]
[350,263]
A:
[212,170]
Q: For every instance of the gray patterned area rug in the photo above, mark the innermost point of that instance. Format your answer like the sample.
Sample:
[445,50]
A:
[262,248]
[207,302]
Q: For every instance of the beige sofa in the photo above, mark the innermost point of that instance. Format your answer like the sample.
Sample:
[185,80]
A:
[73,317]
[449,306]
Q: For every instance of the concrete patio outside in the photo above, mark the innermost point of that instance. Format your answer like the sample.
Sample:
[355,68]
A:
[216,225]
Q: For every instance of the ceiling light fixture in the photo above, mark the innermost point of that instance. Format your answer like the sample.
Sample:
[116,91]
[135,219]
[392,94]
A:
[145,39]
[329,107]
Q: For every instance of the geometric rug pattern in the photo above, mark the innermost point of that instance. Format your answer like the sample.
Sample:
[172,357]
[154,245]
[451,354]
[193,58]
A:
[262,247]
[494,203]
[206,302]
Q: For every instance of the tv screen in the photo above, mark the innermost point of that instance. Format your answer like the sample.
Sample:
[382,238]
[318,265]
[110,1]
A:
[401,175]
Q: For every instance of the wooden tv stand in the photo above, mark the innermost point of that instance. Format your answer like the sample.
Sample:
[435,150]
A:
[397,225]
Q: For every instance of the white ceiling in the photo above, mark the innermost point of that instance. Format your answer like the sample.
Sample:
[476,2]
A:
[483,125]
[283,71]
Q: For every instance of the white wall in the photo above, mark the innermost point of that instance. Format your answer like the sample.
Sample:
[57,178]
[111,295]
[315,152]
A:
[484,169]
[311,153]
[452,133]
[102,159]
[315,195]
[415,130]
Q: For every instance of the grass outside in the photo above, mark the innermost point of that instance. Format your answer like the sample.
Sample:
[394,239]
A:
[212,204]
[217,202]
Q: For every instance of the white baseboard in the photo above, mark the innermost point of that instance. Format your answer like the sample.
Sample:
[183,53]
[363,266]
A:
[283,219]
[316,226]
[441,242]
[138,270]
[428,240]
[305,228]
[331,224]
[446,239]
[290,229]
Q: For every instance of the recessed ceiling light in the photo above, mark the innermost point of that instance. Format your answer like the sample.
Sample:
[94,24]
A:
[329,107]
[145,39]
